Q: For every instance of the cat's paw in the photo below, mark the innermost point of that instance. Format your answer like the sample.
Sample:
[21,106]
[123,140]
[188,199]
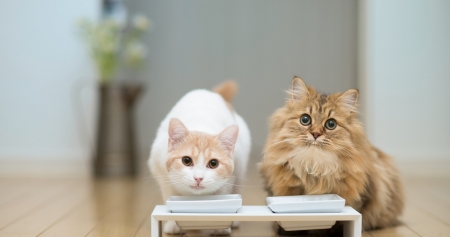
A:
[222,232]
[216,232]
[171,228]
[235,224]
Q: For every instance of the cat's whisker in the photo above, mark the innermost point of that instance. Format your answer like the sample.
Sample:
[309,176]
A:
[245,186]
[173,183]
[147,179]
[168,182]
[276,143]
[239,177]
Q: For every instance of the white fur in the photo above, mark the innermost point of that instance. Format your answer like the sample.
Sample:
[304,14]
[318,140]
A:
[204,111]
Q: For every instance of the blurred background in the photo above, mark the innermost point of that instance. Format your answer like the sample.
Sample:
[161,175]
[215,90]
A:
[67,107]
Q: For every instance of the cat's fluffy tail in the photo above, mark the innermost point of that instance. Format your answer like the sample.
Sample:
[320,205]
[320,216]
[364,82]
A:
[227,90]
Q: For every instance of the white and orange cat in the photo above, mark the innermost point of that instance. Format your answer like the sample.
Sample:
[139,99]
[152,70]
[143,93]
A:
[201,147]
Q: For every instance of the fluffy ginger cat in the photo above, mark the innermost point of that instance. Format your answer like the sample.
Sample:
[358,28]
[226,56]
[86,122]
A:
[316,145]
[201,147]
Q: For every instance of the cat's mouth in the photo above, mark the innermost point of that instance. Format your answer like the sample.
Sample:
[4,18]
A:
[314,143]
[196,186]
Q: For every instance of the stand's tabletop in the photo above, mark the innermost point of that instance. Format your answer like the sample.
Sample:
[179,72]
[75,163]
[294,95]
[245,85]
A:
[255,213]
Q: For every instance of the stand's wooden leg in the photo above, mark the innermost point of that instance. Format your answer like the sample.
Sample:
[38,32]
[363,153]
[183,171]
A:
[156,228]
[353,228]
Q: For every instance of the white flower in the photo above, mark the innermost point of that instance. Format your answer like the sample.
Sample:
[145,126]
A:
[141,22]
[135,53]
[109,47]
[111,23]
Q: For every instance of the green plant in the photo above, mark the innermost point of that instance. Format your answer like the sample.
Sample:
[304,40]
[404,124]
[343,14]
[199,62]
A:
[108,41]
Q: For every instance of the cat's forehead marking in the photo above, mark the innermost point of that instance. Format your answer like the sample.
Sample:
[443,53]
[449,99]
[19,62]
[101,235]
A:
[322,101]
[320,109]
[195,150]
[201,158]
[331,113]
[207,152]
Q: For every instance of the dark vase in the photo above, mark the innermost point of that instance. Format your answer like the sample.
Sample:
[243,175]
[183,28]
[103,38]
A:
[115,150]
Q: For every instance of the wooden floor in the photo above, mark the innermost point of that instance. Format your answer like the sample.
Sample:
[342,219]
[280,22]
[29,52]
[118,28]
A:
[121,207]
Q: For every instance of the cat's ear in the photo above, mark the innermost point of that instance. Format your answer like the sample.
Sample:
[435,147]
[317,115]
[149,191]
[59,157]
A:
[348,100]
[299,89]
[228,137]
[177,133]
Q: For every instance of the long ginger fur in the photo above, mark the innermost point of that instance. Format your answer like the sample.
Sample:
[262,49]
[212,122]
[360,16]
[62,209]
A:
[340,160]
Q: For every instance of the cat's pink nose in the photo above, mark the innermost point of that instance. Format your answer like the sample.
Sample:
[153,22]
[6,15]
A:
[316,134]
[198,180]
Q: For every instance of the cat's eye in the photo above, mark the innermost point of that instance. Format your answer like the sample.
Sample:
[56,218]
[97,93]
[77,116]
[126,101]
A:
[330,124]
[305,120]
[187,161]
[213,163]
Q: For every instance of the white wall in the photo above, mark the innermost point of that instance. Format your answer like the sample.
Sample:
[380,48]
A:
[406,76]
[43,70]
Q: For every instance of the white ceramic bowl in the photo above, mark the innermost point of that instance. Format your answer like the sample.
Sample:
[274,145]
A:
[208,225]
[204,204]
[326,203]
[307,225]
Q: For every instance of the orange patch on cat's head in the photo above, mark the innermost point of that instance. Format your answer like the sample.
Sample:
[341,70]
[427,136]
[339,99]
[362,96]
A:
[201,148]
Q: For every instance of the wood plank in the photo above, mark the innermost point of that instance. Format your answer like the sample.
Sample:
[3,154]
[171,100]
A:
[398,231]
[366,234]
[423,224]
[33,223]
[12,191]
[14,235]
[105,197]
[433,208]
[144,229]
[430,185]
[424,196]
[26,204]
[126,220]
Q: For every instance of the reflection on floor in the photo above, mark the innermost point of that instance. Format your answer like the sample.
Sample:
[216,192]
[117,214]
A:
[121,207]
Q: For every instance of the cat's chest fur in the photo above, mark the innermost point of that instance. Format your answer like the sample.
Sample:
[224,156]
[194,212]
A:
[317,170]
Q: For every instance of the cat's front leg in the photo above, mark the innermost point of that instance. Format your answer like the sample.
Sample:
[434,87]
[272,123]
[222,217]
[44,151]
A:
[217,232]
[171,227]
[235,224]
